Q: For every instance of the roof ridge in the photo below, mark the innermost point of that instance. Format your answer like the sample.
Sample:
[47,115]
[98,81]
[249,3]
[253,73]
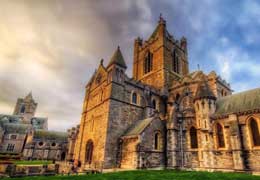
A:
[239,93]
[238,102]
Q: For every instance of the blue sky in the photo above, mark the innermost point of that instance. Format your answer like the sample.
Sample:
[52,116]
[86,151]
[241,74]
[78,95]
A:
[52,47]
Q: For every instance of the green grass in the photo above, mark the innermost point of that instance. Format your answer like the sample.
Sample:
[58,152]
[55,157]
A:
[151,175]
[35,162]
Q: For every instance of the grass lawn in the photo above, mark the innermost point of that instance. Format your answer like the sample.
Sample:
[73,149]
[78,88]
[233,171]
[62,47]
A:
[36,162]
[151,175]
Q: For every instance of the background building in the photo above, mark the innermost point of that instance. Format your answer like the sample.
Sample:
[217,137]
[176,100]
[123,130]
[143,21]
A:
[26,135]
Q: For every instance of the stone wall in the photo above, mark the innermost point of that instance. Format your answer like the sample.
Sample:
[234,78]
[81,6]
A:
[45,150]
[129,159]
[122,114]
[149,156]
[18,142]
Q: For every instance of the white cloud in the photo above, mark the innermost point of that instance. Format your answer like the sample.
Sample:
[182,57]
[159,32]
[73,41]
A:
[233,62]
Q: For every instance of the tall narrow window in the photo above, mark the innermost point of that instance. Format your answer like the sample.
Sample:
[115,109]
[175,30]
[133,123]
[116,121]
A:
[255,132]
[89,151]
[154,104]
[175,62]
[177,98]
[157,141]
[220,136]
[193,138]
[22,109]
[134,98]
[148,63]
[10,147]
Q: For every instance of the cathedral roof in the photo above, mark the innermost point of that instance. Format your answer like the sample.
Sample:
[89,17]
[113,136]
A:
[50,135]
[138,127]
[204,91]
[16,128]
[4,118]
[240,102]
[39,122]
[117,58]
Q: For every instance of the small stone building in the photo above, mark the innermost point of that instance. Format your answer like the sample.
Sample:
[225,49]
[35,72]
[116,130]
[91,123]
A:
[26,135]
[13,137]
[165,116]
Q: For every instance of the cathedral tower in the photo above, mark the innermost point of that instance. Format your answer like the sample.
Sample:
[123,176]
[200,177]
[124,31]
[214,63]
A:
[160,59]
[25,107]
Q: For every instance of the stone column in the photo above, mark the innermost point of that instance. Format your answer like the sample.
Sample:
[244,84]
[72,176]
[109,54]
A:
[171,136]
[235,141]
[171,147]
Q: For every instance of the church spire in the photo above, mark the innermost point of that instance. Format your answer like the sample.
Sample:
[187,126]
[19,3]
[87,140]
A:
[160,28]
[161,20]
[117,58]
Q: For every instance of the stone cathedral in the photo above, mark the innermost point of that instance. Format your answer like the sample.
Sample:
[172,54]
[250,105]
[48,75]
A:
[166,116]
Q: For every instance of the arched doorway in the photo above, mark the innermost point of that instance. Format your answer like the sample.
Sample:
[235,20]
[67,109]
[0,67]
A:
[63,155]
[89,151]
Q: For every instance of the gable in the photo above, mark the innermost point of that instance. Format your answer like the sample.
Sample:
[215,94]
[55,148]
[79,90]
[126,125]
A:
[98,77]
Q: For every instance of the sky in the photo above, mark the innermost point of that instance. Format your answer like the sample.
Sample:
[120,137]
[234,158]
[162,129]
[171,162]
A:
[52,47]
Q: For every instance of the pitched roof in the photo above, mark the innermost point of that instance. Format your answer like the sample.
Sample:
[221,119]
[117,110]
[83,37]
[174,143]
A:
[16,128]
[117,58]
[38,122]
[138,127]
[50,135]
[204,91]
[4,118]
[240,102]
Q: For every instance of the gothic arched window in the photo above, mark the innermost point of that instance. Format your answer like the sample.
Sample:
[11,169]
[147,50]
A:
[148,63]
[177,98]
[157,141]
[175,62]
[22,109]
[193,138]
[154,104]
[117,74]
[255,132]
[134,98]
[220,136]
[89,151]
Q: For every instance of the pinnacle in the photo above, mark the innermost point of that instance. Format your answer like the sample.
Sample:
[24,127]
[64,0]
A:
[117,58]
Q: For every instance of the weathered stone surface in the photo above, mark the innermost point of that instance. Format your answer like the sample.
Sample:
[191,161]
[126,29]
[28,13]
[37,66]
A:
[177,100]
